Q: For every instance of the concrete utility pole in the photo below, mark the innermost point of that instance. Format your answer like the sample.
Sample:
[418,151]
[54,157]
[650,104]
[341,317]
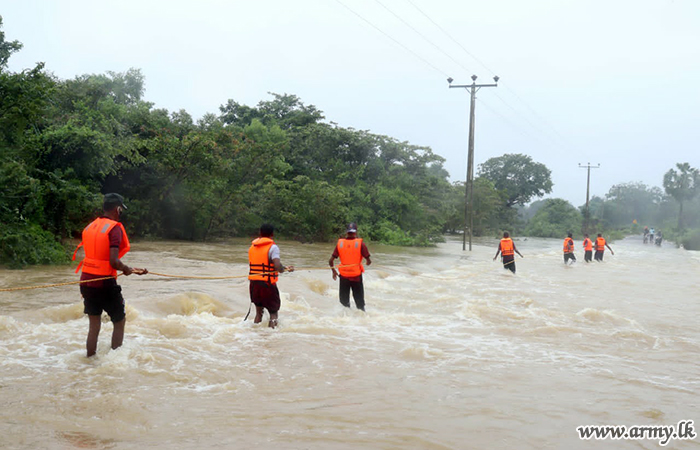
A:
[469,187]
[588,190]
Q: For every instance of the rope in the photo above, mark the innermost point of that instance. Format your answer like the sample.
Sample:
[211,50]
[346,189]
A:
[68,283]
[26,288]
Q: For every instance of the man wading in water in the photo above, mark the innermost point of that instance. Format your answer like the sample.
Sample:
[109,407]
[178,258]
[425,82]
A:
[569,249]
[265,267]
[507,249]
[351,250]
[600,245]
[105,242]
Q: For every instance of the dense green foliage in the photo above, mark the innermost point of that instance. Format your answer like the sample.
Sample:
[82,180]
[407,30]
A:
[64,143]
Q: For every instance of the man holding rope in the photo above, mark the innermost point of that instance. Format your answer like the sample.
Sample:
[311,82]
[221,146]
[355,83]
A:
[265,267]
[105,242]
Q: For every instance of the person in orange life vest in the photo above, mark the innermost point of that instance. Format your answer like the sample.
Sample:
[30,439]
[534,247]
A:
[105,243]
[350,250]
[600,245]
[588,248]
[569,249]
[507,250]
[265,267]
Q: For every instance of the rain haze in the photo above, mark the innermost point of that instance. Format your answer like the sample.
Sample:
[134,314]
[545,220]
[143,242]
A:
[609,82]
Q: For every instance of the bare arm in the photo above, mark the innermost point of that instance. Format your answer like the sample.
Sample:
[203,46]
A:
[117,264]
[331,262]
[497,252]
[280,268]
[611,250]
[516,250]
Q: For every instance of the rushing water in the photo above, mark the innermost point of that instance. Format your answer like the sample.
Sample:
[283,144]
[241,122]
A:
[453,353]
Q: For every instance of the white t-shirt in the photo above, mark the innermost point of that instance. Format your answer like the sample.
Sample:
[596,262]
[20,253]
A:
[274,252]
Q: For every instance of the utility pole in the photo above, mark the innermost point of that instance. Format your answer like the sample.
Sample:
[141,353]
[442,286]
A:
[469,186]
[588,190]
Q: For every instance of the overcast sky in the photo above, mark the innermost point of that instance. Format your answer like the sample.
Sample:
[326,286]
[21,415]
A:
[615,82]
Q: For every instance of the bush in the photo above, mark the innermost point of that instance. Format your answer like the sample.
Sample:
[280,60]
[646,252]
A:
[691,240]
[22,245]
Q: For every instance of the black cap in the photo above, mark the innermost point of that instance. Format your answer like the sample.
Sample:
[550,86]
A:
[352,227]
[113,200]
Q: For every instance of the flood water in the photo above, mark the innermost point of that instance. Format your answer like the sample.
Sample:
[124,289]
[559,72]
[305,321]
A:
[453,353]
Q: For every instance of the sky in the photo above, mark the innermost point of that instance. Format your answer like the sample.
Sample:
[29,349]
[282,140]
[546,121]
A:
[610,82]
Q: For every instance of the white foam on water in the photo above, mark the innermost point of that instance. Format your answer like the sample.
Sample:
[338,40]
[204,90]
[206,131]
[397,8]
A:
[452,344]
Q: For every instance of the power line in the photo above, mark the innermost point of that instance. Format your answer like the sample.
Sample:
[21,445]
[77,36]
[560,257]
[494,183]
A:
[422,35]
[492,73]
[507,120]
[388,36]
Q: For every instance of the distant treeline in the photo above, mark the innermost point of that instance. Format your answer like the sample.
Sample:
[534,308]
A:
[64,143]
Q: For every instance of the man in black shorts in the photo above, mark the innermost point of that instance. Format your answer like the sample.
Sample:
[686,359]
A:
[105,242]
[265,267]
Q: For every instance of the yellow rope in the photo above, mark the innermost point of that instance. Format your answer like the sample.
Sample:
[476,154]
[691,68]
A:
[57,284]
[25,288]
[194,277]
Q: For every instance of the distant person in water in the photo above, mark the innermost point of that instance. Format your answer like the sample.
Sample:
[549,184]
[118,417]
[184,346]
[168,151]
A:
[587,248]
[651,235]
[569,249]
[351,250]
[600,245]
[265,267]
[105,243]
[507,250]
[659,238]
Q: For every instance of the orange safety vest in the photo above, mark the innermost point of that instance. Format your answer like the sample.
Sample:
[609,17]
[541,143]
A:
[600,244]
[261,268]
[96,244]
[507,247]
[568,245]
[350,252]
[587,245]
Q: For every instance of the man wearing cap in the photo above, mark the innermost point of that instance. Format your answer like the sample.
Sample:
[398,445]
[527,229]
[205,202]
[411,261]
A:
[351,250]
[105,242]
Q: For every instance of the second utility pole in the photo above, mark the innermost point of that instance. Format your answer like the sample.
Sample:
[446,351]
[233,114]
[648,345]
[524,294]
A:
[588,190]
[469,188]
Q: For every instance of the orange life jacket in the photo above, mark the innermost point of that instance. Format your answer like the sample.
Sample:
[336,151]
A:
[568,245]
[507,247]
[600,244]
[96,244]
[587,245]
[261,268]
[350,252]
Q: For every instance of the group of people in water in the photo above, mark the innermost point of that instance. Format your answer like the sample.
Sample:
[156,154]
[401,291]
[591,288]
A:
[507,249]
[105,242]
[652,237]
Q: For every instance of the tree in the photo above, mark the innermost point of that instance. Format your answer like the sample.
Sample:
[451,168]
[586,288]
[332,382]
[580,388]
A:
[627,202]
[682,185]
[518,176]
[6,48]
[556,218]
